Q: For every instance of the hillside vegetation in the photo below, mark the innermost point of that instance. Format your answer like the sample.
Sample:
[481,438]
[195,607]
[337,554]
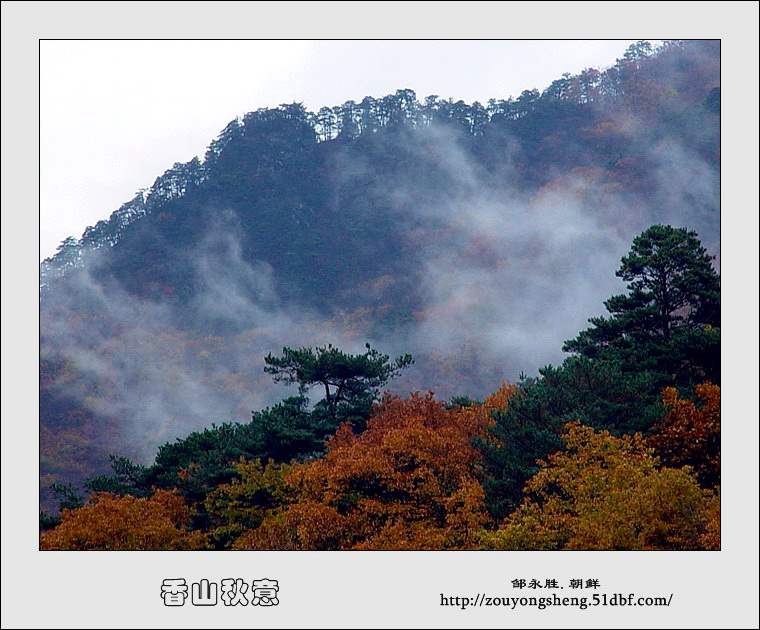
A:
[472,243]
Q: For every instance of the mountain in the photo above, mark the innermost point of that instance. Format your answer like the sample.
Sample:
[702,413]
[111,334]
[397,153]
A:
[477,237]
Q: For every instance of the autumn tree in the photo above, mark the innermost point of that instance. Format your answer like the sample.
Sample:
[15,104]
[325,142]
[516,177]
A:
[125,523]
[605,493]
[710,539]
[598,393]
[409,481]
[689,435]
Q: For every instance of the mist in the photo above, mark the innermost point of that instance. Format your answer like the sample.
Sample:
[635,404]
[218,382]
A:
[498,265]
[503,278]
[136,362]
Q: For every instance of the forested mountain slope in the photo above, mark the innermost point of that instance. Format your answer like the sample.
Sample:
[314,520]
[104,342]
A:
[478,237]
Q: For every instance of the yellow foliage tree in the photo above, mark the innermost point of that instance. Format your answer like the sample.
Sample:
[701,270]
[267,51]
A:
[711,537]
[604,493]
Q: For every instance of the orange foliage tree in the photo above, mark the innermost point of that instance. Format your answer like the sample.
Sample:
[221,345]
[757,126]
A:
[114,523]
[711,537]
[605,492]
[409,481]
[690,433]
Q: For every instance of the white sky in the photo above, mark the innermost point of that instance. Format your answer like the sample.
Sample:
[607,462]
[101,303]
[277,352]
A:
[114,115]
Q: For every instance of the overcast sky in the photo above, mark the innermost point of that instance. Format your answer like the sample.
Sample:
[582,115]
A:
[114,115]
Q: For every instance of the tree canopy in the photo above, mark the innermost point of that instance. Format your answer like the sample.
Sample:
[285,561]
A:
[410,481]
[346,378]
[663,333]
[670,313]
[392,219]
[113,523]
[604,492]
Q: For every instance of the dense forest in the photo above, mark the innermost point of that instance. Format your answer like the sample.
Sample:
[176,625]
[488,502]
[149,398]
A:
[404,324]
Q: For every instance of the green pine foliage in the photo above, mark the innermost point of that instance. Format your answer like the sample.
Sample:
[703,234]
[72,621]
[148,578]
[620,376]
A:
[290,430]
[664,332]
[668,322]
